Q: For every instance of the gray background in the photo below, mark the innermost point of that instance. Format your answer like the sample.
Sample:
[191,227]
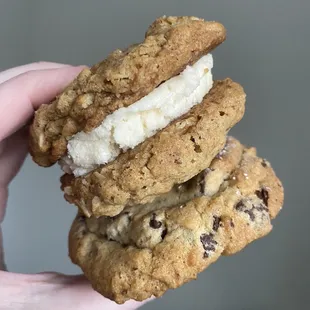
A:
[267,51]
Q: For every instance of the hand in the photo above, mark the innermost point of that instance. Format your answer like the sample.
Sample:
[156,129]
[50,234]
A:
[23,90]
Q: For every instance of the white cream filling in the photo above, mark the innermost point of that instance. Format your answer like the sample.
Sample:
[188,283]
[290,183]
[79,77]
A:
[127,127]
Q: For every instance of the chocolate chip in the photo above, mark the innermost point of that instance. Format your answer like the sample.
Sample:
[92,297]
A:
[154,223]
[240,206]
[164,233]
[216,223]
[263,195]
[209,248]
[261,207]
[251,214]
[264,163]
[208,244]
[232,223]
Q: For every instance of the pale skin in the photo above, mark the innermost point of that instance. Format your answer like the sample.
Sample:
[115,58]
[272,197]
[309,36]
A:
[22,90]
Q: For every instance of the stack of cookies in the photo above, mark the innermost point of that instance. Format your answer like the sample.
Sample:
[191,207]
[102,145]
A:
[162,191]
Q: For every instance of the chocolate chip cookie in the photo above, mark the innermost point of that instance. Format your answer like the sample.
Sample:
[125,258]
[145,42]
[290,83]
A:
[147,249]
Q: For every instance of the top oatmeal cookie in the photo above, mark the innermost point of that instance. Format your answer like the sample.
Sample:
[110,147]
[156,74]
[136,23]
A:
[171,43]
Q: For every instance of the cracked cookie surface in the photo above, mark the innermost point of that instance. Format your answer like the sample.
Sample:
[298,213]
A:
[171,43]
[172,156]
[148,249]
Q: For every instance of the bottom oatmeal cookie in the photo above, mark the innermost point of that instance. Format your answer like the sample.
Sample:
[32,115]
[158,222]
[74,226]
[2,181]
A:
[148,249]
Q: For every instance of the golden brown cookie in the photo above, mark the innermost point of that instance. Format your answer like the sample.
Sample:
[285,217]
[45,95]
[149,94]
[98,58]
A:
[148,249]
[172,156]
[171,43]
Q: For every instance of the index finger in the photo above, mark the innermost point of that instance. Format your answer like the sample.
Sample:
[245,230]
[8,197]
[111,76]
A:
[20,96]
[40,65]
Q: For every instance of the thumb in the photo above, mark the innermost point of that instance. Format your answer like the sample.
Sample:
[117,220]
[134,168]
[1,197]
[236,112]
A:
[23,94]
[81,288]
[54,291]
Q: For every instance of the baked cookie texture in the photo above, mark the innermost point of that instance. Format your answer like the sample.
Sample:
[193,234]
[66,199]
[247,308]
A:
[171,43]
[172,156]
[159,214]
[148,249]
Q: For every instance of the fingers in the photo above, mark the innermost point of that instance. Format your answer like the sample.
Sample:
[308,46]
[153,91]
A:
[3,202]
[20,96]
[10,73]
[82,287]
[56,291]
[2,264]
[13,151]
[13,156]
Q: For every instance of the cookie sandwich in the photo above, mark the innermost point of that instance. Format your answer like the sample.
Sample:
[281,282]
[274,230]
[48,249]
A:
[162,191]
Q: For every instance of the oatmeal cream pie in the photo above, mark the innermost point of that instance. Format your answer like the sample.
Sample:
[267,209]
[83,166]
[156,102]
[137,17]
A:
[144,119]
[137,91]
[147,249]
